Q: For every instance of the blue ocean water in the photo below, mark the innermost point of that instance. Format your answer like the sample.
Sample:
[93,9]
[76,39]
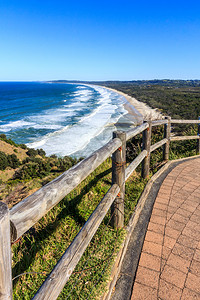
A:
[61,118]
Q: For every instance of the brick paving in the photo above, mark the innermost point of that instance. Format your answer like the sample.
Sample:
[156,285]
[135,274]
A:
[169,265]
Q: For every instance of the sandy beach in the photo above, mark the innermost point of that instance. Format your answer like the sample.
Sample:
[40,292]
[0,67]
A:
[137,110]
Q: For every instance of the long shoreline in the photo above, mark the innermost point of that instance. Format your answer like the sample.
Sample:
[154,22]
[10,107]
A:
[137,109]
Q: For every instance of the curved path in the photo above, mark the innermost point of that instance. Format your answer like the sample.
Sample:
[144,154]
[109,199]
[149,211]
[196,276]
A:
[169,265]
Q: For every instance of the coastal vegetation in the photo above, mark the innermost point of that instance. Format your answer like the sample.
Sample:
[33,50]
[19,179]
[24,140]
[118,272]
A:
[179,99]
[23,169]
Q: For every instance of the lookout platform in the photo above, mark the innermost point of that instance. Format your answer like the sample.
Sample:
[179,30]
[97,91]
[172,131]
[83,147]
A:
[169,260]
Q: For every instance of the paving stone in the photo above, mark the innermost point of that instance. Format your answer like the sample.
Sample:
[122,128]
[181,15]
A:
[197,212]
[159,213]
[195,268]
[158,219]
[178,263]
[152,248]
[195,218]
[198,246]
[160,206]
[169,242]
[187,241]
[176,225]
[169,215]
[150,261]
[173,206]
[191,233]
[197,255]
[147,277]
[184,212]
[163,196]
[162,200]
[188,207]
[173,233]
[173,276]
[154,237]
[158,228]
[190,295]
[183,251]
[193,283]
[180,218]
[142,292]
[168,291]
[163,263]
[172,209]
[165,252]
[193,225]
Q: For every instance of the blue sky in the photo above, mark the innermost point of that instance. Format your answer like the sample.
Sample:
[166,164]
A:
[99,40]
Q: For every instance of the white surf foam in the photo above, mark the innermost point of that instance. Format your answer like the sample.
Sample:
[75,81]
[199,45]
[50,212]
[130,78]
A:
[15,125]
[89,128]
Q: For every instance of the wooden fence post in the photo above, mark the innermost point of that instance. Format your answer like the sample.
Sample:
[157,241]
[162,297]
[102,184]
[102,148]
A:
[5,254]
[167,132]
[198,141]
[146,144]
[118,177]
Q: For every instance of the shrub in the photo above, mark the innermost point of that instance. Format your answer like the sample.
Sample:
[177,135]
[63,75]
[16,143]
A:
[3,137]
[41,152]
[9,141]
[13,161]
[3,161]
[53,156]
[23,146]
[31,152]
[33,170]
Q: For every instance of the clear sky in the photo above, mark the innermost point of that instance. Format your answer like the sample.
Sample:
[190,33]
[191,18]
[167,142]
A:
[99,40]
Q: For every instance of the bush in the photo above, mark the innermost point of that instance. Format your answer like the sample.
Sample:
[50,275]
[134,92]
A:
[41,152]
[65,163]
[9,141]
[3,137]
[31,152]
[3,161]
[23,146]
[54,156]
[33,170]
[13,161]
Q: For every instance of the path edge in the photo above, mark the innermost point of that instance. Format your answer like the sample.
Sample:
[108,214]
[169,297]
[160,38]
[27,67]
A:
[126,262]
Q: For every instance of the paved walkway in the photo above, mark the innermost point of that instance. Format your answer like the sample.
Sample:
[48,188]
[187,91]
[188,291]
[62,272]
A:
[169,266]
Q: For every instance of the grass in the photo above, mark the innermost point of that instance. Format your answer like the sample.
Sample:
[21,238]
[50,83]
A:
[40,248]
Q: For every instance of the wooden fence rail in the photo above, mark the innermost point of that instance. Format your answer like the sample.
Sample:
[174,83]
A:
[29,211]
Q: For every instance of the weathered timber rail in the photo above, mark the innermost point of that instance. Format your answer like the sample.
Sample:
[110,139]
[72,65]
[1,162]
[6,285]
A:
[16,221]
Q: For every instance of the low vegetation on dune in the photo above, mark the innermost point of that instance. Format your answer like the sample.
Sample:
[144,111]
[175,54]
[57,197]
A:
[24,170]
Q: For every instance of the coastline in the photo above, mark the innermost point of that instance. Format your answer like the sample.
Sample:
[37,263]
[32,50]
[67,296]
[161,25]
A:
[138,111]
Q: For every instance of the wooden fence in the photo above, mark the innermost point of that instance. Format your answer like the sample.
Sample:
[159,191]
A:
[16,221]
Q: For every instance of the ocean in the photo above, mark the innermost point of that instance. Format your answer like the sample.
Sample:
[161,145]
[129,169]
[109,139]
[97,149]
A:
[61,118]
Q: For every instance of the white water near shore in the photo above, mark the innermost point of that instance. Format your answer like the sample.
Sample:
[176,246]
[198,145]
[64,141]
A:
[115,110]
[91,131]
[67,119]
